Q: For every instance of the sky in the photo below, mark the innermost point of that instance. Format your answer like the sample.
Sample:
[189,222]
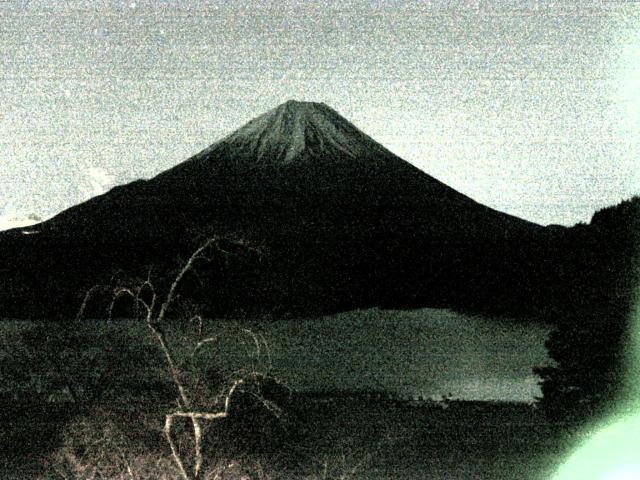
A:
[531,107]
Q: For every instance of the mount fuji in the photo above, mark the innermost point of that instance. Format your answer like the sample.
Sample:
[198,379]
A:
[342,223]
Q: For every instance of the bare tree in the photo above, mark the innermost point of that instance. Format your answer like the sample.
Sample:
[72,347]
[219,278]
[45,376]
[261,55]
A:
[154,307]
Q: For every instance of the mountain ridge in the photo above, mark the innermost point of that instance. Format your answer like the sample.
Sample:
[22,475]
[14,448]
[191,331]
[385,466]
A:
[346,223]
[241,153]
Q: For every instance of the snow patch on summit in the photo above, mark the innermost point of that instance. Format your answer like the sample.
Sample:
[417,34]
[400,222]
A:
[284,133]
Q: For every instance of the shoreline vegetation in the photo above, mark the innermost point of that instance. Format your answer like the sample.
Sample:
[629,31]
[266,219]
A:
[344,438]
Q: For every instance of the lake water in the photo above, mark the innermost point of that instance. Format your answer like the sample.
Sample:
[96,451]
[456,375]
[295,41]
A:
[425,352]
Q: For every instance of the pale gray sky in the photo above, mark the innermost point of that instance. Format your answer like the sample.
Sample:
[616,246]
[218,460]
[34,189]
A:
[531,107]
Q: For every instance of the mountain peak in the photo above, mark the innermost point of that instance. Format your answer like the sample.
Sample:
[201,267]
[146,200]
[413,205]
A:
[301,104]
[302,112]
[296,129]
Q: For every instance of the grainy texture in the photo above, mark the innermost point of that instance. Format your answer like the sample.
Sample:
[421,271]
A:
[527,106]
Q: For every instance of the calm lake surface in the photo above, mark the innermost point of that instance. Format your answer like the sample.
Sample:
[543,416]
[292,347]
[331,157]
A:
[425,352]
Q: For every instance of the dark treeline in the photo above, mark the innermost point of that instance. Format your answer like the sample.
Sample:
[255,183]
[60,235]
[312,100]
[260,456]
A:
[600,278]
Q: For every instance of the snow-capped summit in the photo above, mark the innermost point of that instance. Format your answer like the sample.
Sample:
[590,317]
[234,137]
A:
[293,128]
[298,144]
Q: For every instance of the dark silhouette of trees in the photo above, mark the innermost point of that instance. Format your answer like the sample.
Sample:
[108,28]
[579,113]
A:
[598,271]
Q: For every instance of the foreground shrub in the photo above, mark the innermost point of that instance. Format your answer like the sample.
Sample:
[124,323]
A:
[110,445]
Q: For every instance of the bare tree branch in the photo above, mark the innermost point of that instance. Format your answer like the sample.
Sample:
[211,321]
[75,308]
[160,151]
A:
[88,295]
[188,266]
[155,308]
